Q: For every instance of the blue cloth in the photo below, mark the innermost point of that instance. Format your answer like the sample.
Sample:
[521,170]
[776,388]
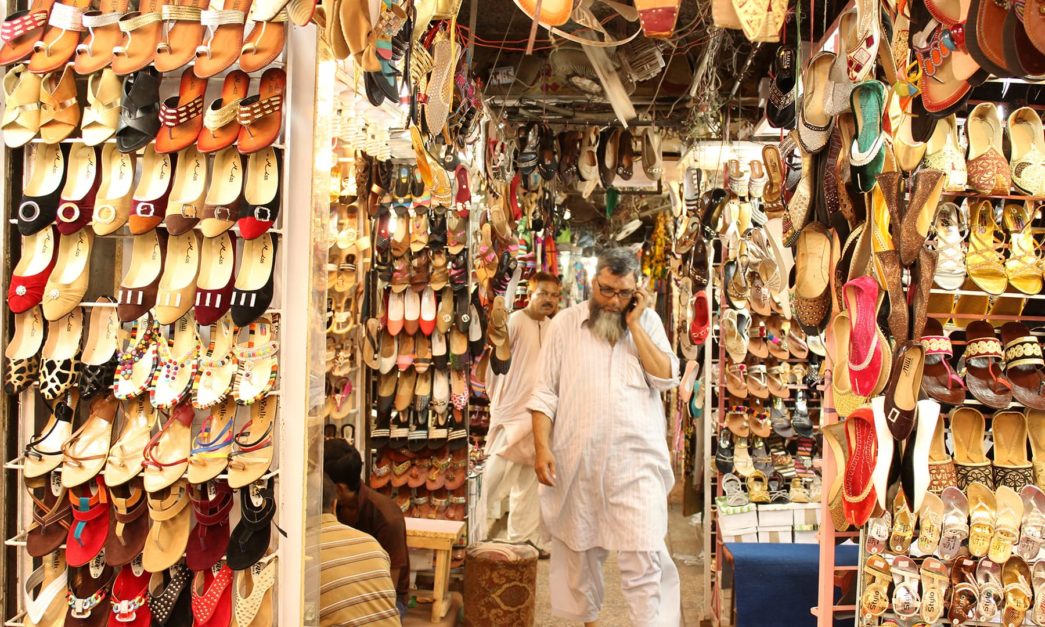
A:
[775,585]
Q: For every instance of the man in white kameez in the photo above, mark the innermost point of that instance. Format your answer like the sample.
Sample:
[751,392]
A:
[509,472]
[601,451]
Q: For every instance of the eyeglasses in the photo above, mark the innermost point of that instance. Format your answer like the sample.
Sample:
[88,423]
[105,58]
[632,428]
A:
[611,293]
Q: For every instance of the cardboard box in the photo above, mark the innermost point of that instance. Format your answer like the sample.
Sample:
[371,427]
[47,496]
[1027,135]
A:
[806,514]
[731,519]
[741,535]
[776,515]
[775,535]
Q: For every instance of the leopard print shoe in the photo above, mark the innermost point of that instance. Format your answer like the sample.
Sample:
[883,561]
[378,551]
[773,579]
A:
[60,365]
[23,353]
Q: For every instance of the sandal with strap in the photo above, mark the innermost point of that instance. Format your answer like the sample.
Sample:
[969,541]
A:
[182,33]
[757,487]
[59,40]
[252,456]
[171,519]
[984,259]
[984,362]
[21,30]
[264,43]
[217,370]
[49,605]
[223,40]
[139,110]
[1024,365]
[1032,530]
[1007,528]
[1023,267]
[983,516]
[178,360]
[59,109]
[181,116]
[1016,576]
[126,456]
[90,528]
[87,595]
[930,523]
[906,576]
[1039,593]
[903,525]
[939,380]
[258,366]
[138,360]
[875,598]
[103,34]
[143,30]
[988,580]
[252,535]
[212,446]
[52,515]
[21,117]
[173,442]
[84,455]
[130,525]
[43,453]
[130,597]
[209,539]
[220,123]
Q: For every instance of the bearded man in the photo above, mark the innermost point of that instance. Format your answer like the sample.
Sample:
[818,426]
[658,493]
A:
[601,450]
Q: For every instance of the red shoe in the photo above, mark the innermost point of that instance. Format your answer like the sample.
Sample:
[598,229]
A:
[90,526]
[858,493]
[698,329]
[212,597]
[130,599]
[865,350]
[39,255]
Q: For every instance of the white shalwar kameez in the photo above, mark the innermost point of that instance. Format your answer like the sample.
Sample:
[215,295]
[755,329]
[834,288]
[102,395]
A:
[613,470]
[509,470]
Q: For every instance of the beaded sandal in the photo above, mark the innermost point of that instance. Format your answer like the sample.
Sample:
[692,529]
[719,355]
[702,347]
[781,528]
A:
[138,359]
[257,364]
[217,369]
[178,360]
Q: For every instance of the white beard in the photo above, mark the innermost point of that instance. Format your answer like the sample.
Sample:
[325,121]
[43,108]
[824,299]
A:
[605,325]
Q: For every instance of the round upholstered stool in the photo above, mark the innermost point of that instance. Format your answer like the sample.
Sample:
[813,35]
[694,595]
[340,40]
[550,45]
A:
[500,585]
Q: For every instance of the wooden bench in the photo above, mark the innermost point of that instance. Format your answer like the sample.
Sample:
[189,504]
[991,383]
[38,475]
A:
[439,536]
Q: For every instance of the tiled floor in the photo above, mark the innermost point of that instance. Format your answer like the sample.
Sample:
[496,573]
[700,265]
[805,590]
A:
[683,544]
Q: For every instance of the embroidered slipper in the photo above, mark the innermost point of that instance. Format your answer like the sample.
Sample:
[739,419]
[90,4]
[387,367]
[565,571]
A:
[143,31]
[988,170]
[21,117]
[67,284]
[209,538]
[52,515]
[130,598]
[254,445]
[257,362]
[221,206]
[859,488]
[130,525]
[214,379]
[1024,366]
[103,35]
[48,606]
[84,454]
[252,604]
[167,453]
[264,43]
[972,465]
[1011,464]
[984,361]
[252,293]
[171,519]
[251,538]
[34,268]
[21,31]
[222,42]
[58,43]
[262,193]
[90,524]
[127,454]
[60,363]
[814,124]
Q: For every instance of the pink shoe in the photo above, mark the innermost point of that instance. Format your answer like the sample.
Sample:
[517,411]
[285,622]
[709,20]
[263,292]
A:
[865,351]
[396,312]
[698,329]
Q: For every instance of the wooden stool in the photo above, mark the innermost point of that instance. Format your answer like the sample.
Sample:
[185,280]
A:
[439,536]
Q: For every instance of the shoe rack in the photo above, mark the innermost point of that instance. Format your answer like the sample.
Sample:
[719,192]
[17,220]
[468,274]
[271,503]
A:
[296,312]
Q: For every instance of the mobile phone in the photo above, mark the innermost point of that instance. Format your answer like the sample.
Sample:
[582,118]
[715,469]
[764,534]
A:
[632,304]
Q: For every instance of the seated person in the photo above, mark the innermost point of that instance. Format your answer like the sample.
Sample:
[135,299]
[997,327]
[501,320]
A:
[364,509]
[356,587]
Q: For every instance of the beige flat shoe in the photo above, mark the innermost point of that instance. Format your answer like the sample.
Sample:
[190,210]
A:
[21,117]
[126,456]
[112,205]
[225,194]
[185,204]
[171,522]
[67,284]
[167,453]
[177,289]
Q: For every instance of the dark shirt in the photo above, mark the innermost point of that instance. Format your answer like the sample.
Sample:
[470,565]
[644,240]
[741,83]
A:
[380,517]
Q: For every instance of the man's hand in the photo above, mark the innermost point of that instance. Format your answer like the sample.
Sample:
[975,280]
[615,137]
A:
[642,300]
[545,466]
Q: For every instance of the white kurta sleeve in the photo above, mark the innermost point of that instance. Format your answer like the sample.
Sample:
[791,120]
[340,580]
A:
[545,397]
[655,330]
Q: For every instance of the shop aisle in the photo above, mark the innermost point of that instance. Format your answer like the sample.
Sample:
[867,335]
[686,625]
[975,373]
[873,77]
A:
[683,540]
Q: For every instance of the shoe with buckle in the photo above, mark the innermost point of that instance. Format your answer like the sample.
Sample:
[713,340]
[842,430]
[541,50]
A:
[262,192]
[40,196]
[149,205]
[112,204]
[80,190]
[185,205]
[222,205]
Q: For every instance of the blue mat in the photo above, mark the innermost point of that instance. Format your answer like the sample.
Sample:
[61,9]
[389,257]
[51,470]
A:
[775,585]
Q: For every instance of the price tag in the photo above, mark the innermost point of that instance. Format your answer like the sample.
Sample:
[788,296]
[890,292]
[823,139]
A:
[212,490]
[256,498]
[215,569]
[136,566]
[56,484]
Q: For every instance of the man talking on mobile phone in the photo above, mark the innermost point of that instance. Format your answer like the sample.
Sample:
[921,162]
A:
[601,451]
